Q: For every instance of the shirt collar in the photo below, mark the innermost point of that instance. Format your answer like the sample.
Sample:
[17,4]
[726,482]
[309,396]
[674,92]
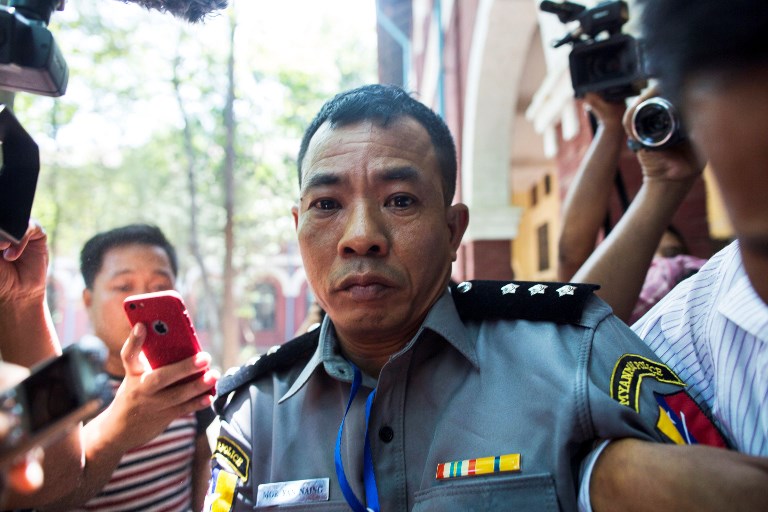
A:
[744,307]
[442,319]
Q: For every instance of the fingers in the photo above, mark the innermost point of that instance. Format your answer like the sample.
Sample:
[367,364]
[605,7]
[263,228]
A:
[608,113]
[201,400]
[12,252]
[171,374]
[130,353]
[184,397]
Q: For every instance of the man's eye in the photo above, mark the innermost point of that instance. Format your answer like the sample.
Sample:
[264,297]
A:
[325,204]
[401,201]
[125,288]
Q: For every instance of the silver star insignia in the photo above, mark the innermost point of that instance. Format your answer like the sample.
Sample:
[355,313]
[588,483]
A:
[464,287]
[537,288]
[566,290]
[509,288]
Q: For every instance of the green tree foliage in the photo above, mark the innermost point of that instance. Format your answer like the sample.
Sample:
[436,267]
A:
[113,149]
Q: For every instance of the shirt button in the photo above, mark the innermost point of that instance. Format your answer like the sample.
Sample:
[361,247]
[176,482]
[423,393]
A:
[386,434]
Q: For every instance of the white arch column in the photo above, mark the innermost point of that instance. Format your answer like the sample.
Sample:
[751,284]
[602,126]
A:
[501,40]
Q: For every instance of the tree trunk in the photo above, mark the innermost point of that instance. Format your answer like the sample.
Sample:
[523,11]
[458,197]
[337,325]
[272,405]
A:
[208,302]
[229,318]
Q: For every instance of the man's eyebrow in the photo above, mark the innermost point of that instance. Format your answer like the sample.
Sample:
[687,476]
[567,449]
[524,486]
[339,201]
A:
[130,271]
[323,179]
[121,273]
[399,174]
[320,179]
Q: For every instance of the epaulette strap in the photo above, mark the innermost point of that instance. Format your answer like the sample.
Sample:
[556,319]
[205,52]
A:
[298,348]
[521,300]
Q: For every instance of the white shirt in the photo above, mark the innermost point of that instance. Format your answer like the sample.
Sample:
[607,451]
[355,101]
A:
[712,330]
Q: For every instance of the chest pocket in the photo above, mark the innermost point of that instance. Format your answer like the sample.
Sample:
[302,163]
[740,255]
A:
[509,492]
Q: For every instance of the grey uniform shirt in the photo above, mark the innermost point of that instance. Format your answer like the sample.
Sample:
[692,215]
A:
[457,391]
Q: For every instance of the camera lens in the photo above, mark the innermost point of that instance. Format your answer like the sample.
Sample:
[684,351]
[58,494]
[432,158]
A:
[655,123]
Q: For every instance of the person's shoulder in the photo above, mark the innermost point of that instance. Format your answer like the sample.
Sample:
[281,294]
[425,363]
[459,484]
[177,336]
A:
[279,358]
[563,303]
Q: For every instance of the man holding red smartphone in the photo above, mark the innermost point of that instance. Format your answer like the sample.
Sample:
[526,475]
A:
[148,450]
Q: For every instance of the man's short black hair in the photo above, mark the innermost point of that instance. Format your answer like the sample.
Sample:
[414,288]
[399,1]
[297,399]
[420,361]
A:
[683,38]
[382,104]
[92,255]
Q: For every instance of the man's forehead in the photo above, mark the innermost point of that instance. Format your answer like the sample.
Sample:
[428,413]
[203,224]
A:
[123,259]
[402,138]
[406,132]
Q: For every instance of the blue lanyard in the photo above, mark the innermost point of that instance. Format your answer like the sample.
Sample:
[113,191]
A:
[371,493]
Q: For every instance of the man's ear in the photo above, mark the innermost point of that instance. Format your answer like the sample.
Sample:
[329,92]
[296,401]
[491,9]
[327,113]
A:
[87,298]
[457,217]
[295,213]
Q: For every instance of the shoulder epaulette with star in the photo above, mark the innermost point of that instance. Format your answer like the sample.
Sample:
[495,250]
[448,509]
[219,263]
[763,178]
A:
[475,300]
[521,300]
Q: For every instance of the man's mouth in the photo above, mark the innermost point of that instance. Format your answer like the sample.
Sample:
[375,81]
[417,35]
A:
[365,286]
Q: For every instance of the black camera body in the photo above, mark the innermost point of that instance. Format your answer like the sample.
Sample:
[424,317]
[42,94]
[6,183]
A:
[611,65]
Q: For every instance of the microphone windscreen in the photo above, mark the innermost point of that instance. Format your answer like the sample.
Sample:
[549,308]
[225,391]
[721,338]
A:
[190,10]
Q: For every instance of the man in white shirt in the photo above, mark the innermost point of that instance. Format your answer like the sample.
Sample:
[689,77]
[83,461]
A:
[711,58]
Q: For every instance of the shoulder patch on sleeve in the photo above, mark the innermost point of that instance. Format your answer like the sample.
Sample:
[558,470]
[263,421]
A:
[628,375]
[221,491]
[683,421]
[228,453]
[521,300]
[286,355]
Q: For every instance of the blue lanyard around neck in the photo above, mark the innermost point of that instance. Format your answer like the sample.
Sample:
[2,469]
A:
[371,493]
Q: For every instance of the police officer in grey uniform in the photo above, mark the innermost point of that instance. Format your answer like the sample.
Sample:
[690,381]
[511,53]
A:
[417,395]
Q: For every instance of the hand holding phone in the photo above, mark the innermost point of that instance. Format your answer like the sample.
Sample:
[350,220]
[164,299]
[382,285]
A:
[171,336]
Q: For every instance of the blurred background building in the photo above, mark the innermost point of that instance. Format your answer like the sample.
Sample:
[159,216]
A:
[489,68]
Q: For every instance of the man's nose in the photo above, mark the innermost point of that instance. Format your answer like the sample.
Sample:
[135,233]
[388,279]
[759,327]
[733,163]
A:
[364,232]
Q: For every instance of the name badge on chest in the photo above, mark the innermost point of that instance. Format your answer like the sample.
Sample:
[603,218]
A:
[296,491]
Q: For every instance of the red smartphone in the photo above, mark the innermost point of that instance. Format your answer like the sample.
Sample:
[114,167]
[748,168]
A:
[171,336]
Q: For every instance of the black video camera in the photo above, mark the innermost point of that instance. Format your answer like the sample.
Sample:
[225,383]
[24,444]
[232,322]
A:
[30,59]
[603,59]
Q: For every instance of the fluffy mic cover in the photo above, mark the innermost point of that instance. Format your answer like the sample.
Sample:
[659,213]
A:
[190,10]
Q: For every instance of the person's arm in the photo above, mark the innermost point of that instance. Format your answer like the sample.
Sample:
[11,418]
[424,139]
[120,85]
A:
[620,263]
[633,475]
[588,195]
[27,337]
[144,405]
[201,471]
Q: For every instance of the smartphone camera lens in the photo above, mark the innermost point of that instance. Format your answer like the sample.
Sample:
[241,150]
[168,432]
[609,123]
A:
[132,306]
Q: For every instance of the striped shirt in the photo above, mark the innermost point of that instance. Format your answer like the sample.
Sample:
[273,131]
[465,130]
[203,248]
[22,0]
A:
[156,476]
[712,330]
